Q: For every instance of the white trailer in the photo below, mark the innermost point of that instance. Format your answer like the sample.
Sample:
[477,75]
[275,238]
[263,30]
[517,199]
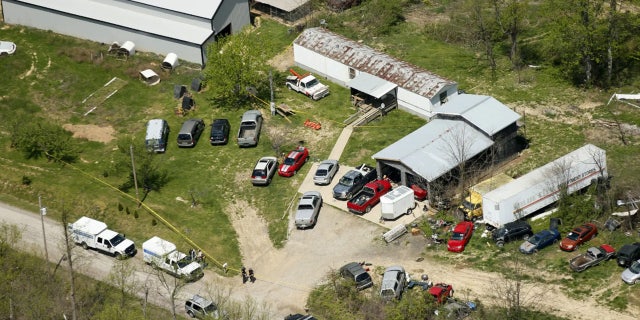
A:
[90,233]
[164,255]
[541,187]
[397,202]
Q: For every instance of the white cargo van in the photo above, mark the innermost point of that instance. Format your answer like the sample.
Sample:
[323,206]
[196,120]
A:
[397,202]
[164,255]
[90,233]
[157,134]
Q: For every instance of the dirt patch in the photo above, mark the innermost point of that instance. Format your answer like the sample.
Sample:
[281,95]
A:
[91,132]
[283,61]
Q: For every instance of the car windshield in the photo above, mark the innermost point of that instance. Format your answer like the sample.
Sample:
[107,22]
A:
[305,207]
[210,308]
[573,236]
[457,236]
[535,239]
[184,137]
[321,172]
[258,173]
[362,277]
[468,205]
[116,240]
[312,83]
[635,267]
[346,181]
[184,262]
[289,161]
[501,232]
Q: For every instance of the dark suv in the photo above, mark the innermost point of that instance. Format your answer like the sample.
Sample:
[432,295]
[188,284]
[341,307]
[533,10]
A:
[628,254]
[219,132]
[354,271]
[512,231]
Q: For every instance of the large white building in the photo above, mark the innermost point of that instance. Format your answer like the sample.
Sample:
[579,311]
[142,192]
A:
[361,68]
[161,26]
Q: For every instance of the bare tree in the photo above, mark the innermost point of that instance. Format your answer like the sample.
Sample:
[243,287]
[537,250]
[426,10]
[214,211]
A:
[68,244]
[514,292]
[9,236]
[171,285]
[122,276]
[458,146]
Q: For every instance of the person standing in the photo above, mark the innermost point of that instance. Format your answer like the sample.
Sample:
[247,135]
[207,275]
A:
[243,270]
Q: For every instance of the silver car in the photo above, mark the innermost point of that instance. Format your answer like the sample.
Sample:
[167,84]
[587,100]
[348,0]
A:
[308,209]
[263,171]
[394,281]
[631,275]
[325,172]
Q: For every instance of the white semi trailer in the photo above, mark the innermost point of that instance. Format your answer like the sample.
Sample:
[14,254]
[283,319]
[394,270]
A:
[542,186]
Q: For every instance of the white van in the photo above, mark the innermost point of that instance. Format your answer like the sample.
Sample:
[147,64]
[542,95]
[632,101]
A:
[157,134]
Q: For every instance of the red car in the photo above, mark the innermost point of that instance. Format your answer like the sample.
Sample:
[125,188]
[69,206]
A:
[292,163]
[441,292]
[578,236]
[369,196]
[460,236]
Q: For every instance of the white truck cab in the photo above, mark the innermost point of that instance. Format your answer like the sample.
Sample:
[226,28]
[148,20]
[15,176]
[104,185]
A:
[164,255]
[90,233]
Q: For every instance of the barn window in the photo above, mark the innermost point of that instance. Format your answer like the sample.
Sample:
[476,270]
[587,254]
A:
[352,73]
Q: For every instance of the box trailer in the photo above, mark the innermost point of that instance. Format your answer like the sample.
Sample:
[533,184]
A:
[164,255]
[397,202]
[90,233]
[542,186]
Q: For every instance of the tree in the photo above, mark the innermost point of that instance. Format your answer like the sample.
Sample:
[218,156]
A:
[67,249]
[122,276]
[235,63]
[510,18]
[149,175]
[37,138]
[459,143]
[513,292]
[9,236]
[171,285]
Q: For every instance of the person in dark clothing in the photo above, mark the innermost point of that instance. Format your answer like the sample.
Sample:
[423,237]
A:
[243,270]
[251,276]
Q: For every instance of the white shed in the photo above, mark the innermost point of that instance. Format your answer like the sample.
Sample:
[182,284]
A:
[355,65]
[170,61]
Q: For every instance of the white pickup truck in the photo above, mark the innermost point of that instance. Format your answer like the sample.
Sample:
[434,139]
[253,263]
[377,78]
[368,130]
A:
[90,233]
[164,255]
[307,85]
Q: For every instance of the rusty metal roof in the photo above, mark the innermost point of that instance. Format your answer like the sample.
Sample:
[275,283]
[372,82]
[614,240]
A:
[366,59]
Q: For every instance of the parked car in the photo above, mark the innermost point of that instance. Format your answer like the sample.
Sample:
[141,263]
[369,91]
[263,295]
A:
[441,292]
[628,254]
[511,231]
[299,316]
[327,169]
[578,236]
[353,271]
[7,48]
[460,236]
[394,281]
[202,308]
[369,196]
[456,309]
[264,170]
[540,241]
[190,132]
[353,181]
[308,209]
[631,275]
[219,132]
[592,257]
[293,162]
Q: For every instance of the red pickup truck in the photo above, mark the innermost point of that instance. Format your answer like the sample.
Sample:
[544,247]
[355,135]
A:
[369,196]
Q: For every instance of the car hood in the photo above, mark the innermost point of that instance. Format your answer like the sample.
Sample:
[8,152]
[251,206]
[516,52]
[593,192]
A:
[455,243]
[629,276]
[568,244]
[122,246]
[286,168]
[527,247]
[190,268]
[340,188]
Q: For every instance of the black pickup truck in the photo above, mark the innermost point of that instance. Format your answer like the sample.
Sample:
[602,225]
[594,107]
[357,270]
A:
[353,181]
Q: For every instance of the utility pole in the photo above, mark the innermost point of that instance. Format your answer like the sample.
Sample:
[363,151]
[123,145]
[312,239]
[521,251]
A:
[135,178]
[272,105]
[43,212]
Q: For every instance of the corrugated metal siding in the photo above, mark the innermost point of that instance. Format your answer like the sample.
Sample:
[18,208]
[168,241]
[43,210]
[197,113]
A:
[364,58]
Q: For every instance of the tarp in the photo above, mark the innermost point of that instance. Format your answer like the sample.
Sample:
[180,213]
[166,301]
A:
[371,85]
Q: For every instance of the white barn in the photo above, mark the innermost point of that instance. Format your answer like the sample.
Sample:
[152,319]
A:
[366,70]
[161,26]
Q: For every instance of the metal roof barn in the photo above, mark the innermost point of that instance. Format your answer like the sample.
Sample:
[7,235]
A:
[484,112]
[343,60]
[158,26]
